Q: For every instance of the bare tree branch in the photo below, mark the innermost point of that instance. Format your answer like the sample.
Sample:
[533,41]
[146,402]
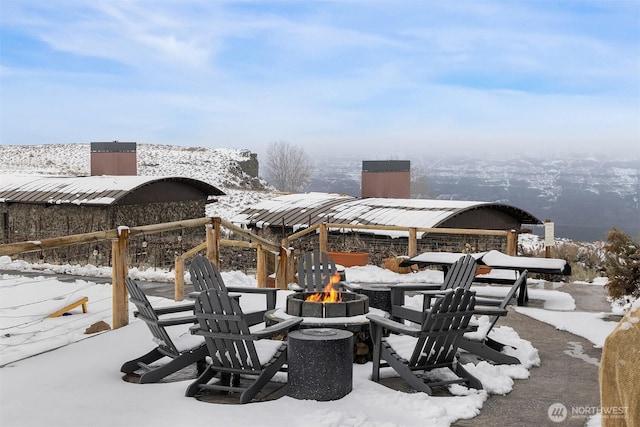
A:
[288,167]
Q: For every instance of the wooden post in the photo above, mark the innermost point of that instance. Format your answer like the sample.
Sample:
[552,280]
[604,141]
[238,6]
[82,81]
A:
[548,235]
[291,266]
[119,272]
[261,269]
[413,242]
[179,281]
[512,242]
[281,269]
[290,274]
[213,242]
[322,239]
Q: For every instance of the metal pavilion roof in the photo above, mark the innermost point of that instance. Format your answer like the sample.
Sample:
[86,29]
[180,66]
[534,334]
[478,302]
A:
[303,210]
[88,190]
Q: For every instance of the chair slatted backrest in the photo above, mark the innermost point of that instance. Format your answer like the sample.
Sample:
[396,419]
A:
[226,333]
[150,317]
[445,323]
[315,269]
[205,276]
[461,273]
[520,281]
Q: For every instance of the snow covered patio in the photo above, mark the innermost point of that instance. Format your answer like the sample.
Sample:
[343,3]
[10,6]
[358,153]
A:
[80,382]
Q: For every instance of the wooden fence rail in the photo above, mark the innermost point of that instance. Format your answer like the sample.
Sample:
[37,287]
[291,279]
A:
[284,254]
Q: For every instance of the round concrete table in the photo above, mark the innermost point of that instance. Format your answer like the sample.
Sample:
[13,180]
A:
[320,364]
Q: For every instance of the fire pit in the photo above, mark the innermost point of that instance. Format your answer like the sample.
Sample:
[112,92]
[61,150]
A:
[331,309]
[347,305]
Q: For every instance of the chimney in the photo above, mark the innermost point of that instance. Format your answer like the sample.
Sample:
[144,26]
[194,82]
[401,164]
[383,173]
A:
[113,158]
[386,178]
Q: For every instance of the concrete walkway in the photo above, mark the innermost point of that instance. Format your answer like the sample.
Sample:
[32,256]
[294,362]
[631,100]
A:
[568,372]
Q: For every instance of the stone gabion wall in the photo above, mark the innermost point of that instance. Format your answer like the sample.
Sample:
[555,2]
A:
[26,222]
[380,248]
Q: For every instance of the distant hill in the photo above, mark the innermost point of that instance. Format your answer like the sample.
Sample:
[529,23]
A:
[585,197]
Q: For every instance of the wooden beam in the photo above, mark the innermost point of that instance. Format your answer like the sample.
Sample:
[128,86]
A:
[266,244]
[512,243]
[77,239]
[119,272]
[322,240]
[213,248]
[261,269]
[56,242]
[239,244]
[191,252]
[281,270]
[169,226]
[413,243]
[179,279]
[301,233]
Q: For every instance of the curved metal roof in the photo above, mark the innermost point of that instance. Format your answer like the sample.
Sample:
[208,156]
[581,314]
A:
[303,210]
[88,190]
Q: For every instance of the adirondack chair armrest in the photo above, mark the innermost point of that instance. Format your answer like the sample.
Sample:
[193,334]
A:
[488,301]
[270,293]
[408,287]
[277,328]
[398,291]
[174,309]
[481,311]
[434,292]
[394,326]
[172,321]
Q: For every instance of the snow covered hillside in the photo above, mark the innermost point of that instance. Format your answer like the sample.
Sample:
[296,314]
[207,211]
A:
[222,167]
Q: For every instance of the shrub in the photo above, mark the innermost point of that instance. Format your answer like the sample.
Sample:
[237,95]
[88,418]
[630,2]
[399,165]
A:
[622,263]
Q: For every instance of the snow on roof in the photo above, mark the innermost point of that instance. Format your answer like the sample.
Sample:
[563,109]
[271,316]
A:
[86,190]
[304,210]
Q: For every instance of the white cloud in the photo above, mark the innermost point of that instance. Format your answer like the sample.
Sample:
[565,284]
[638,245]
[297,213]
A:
[347,75]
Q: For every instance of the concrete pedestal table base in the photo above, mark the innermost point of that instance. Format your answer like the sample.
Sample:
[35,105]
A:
[320,364]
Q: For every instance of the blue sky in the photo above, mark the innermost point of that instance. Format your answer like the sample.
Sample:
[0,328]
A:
[387,78]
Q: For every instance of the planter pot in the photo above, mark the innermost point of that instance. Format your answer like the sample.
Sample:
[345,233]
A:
[393,264]
[483,269]
[349,259]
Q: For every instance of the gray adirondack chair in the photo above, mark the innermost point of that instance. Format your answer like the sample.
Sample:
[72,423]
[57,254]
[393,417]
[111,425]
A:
[205,276]
[234,350]
[460,274]
[434,342]
[194,351]
[483,345]
[315,270]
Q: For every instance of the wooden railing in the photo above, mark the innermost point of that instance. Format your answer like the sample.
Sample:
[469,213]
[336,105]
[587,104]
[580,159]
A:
[285,257]
[120,236]
[324,228]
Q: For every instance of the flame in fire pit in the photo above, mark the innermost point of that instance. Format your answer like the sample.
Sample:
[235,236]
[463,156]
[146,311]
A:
[329,294]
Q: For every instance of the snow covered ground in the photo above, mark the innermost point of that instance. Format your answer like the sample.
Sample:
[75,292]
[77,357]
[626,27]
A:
[56,375]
